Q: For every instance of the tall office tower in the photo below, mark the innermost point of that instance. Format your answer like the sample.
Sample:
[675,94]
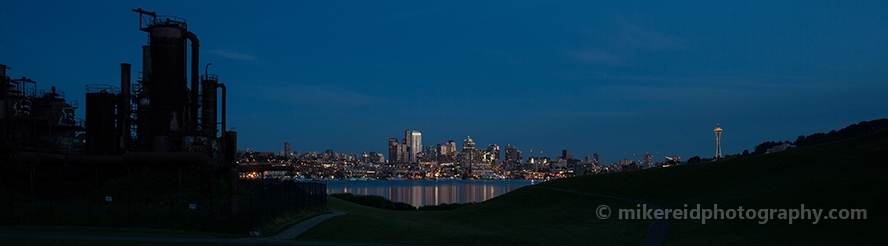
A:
[451,147]
[596,159]
[431,152]
[513,155]
[394,151]
[468,144]
[566,155]
[441,149]
[469,153]
[287,148]
[648,159]
[718,136]
[414,144]
[403,149]
[329,155]
[408,146]
[495,151]
[520,156]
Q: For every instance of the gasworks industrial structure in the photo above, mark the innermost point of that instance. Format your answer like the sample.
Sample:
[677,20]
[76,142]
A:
[159,121]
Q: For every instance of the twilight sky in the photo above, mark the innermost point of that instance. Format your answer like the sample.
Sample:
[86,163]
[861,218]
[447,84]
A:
[613,78]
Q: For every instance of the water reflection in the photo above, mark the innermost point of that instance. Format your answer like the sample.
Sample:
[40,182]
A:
[429,192]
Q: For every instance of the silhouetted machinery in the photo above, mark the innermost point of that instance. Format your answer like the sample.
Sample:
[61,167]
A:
[158,121]
[35,120]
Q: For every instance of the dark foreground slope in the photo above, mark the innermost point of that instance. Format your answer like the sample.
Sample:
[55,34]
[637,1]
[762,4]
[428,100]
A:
[851,174]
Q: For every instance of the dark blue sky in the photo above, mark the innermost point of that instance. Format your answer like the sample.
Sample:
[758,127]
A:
[613,78]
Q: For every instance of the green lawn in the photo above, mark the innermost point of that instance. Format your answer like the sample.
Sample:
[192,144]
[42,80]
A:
[527,216]
[852,174]
[846,175]
[59,242]
[140,232]
[274,227]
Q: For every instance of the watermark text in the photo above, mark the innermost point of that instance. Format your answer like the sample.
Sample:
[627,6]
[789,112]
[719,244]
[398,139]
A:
[644,212]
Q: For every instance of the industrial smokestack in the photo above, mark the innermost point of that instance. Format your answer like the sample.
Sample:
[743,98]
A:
[3,95]
[195,82]
[124,105]
[146,62]
[3,83]
[224,108]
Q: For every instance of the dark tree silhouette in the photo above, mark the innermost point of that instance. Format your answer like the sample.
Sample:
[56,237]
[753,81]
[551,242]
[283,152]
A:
[851,131]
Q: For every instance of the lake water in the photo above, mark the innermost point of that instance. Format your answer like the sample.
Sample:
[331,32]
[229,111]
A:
[429,192]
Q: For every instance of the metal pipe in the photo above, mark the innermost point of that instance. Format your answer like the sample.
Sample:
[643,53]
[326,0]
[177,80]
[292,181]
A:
[124,105]
[3,68]
[143,140]
[195,63]
[224,108]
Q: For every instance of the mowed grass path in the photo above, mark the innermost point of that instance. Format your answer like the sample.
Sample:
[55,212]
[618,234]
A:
[527,216]
[851,174]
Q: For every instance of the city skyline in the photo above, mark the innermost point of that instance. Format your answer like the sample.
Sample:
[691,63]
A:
[611,78]
[400,151]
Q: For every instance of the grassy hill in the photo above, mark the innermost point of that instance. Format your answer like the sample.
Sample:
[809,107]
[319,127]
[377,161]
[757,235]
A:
[851,174]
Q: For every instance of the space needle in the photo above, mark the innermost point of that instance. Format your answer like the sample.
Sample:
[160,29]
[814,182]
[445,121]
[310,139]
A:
[718,136]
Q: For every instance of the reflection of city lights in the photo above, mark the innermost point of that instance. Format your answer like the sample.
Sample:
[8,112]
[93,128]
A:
[423,193]
[249,175]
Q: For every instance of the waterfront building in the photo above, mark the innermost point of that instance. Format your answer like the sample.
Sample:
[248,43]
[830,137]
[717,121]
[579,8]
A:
[413,142]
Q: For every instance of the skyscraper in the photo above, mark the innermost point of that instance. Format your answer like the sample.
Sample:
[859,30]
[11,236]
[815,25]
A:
[718,136]
[451,147]
[495,151]
[469,154]
[393,149]
[414,144]
[513,155]
[468,144]
[287,148]
[568,157]
[403,149]
[431,153]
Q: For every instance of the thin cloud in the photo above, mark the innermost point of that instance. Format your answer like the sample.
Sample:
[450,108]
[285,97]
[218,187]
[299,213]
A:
[638,38]
[234,55]
[330,95]
[319,96]
[598,56]
[625,43]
